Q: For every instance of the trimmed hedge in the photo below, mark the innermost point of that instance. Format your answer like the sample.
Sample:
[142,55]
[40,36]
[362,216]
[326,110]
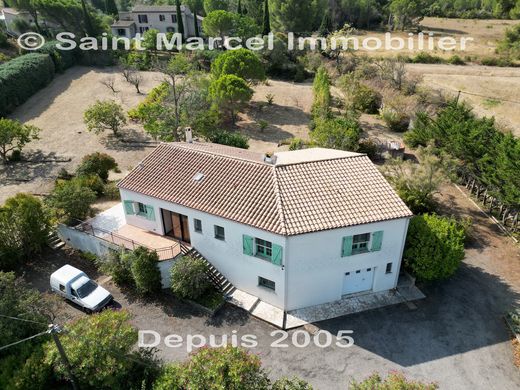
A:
[63,59]
[21,77]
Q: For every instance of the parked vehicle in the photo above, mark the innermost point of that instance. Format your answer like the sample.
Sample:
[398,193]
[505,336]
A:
[74,285]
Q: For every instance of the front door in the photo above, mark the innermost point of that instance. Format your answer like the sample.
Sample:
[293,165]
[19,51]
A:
[176,225]
[358,281]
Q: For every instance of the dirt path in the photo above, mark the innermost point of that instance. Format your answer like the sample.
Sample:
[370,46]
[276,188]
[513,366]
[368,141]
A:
[490,249]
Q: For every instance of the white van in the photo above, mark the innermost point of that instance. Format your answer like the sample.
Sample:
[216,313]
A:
[74,285]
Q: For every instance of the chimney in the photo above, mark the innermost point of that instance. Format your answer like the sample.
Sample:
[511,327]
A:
[189,135]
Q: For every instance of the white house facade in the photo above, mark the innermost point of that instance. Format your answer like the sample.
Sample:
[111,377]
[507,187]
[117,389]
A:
[162,18]
[298,229]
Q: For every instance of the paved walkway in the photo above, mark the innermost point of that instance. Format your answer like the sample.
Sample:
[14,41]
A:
[345,306]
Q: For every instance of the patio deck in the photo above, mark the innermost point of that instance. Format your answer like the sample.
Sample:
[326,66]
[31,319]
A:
[110,226]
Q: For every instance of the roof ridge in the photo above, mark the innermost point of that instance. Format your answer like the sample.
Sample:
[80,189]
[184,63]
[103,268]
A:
[325,159]
[186,147]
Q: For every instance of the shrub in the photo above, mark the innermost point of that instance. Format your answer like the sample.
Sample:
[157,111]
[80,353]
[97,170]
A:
[497,61]
[21,77]
[229,138]
[322,95]
[62,59]
[117,265]
[92,182]
[434,247]
[188,278]
[297,144]
[215,368]
[104,115]
[395,120]
[3,39]
[426,58]
[111,191]
[145,270]
[26,219]
[337,133]
[71,200]
[394,381]
[99,164]
[456,60]
[291,384]
[370,148]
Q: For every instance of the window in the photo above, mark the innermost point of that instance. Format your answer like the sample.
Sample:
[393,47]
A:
[162,18]
[360,243]
[220,234]
[142,30]
[197,223]
[389,268]
[62,288]
[170,29]
[142,18]
[263,248]
[73,292]
[141,209]
[266,283]
[121,32]
[174,18]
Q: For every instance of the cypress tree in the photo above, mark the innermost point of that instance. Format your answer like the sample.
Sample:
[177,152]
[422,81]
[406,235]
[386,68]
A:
[111,7]
[267,23]
[179,17]
[239,7]
[196,22]
[326,24]
[89,29]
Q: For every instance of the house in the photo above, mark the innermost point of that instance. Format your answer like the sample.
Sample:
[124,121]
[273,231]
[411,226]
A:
[296,229]
[160,17]
[11,15]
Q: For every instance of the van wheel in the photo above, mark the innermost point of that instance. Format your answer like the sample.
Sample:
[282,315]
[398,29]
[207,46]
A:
[87,311]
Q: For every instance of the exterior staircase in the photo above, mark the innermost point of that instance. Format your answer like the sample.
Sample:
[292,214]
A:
[54,242]
[217,279]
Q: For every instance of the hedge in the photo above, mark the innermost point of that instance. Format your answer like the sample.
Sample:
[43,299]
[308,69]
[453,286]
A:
[21,77]
[63,59]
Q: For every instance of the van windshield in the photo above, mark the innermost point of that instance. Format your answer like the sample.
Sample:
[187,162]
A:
[87,289]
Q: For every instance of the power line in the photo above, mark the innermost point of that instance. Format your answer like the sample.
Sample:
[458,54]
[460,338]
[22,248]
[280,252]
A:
[23,319]
[476,94]
[21,341]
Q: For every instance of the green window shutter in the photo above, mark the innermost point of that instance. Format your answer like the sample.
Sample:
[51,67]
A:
[277,254]
[150,213]
[129,207]
[346,249]
[377,240]
[247,244]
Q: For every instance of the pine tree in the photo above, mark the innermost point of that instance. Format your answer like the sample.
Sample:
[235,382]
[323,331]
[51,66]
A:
[326,25]
[111,7]
[179,17]
[267,22]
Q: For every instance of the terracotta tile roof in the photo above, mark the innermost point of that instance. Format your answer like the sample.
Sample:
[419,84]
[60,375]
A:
[290,198]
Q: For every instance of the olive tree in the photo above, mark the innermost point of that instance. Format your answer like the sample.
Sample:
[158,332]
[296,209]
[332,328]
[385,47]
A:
[14,136]
[104,115]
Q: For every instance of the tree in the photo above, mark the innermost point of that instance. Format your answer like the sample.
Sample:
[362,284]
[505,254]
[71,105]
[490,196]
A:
[293,15]
[31,7]
[188,278]
[144,265]
[294,383]
[14,136]
[434,247]
[215,5]
[322,95]
[239,7]
[417,183]
[100,347]
[406,12]
[394,381]
[242,63]
[229,93]
[218,23]
[215,368]
[180,23]
[99,164]
[28,222]
[104,115]
[266,25]
[71,200]
[340,133]
[111,8]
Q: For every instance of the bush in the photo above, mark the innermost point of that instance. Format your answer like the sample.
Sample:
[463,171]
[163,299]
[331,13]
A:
[370,148]
[99,164]
[62,59]
[229,138]
[104,115]
[434,247]
[24,229]
[214,369]
[322,95]
[297,144]
[395,120]
[497,61]
[71,200]
[456,60]
[92,182]
[145,270]
[111,191]
[188,278]
[426,58]
[337,133]
[21,77]
[3,39]
[394,381]
[117,265]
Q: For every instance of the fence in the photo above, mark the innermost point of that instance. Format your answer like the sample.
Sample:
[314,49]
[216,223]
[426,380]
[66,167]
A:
[506,214]
[165,253]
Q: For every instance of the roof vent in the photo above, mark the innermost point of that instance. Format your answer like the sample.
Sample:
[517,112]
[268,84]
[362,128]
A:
[198,177]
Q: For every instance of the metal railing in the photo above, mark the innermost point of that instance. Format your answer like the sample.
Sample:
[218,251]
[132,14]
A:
[165,253]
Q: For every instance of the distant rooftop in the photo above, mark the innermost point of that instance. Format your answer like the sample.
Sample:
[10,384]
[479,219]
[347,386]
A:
[157,8]
[310,155]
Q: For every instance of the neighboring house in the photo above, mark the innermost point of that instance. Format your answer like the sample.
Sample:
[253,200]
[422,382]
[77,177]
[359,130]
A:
[298,229]
[160,17]
[9,15]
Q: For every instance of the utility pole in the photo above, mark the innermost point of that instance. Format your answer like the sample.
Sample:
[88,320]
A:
[54,330]
[458,96]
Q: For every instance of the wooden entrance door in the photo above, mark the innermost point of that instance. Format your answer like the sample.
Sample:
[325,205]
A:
[176,225]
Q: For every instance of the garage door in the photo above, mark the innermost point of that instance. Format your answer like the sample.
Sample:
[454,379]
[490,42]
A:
[358,281]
